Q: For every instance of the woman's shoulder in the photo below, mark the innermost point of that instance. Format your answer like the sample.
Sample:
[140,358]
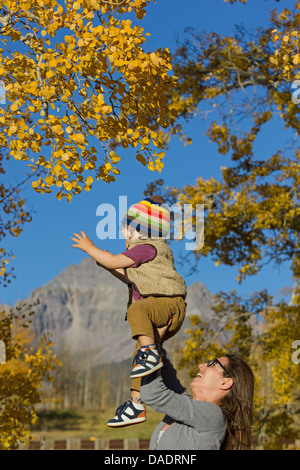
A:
[210,410]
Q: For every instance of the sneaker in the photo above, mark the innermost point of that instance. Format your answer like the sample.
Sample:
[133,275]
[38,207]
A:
[128,413]
[146,361]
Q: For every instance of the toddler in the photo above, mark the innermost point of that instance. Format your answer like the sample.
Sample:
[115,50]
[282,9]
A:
[156,292]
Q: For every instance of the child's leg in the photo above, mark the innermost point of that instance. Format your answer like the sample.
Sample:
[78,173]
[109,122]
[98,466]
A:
[135,382]
[136,396]
[148,314]
[133,411]
[144,317]
[142,330]
[139,319]
[177,318]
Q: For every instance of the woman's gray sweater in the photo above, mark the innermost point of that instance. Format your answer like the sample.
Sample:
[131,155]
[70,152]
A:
[199,425]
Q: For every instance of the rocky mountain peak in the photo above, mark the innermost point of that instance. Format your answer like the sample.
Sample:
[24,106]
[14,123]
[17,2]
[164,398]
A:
[84,307]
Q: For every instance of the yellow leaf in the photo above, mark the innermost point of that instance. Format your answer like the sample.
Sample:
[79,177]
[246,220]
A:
[57,129]
[49,180]
[151,166]
[106,109]
[68,186]
[154,59]
[49,74]
[13,129]
[79,138]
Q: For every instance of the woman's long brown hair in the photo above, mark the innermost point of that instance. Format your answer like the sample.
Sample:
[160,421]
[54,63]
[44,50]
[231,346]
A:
[237,405]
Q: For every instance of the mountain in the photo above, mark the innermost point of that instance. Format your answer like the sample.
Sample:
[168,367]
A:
[84,307]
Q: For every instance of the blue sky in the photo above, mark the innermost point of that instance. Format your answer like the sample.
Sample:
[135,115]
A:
[44,248]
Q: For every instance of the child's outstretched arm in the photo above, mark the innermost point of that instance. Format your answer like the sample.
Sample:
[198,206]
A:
[118,273]
[103,257]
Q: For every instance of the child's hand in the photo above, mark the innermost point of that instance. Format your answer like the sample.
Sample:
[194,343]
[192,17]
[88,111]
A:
[82,241]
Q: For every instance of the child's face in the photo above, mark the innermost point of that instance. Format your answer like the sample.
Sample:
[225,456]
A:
[127,234]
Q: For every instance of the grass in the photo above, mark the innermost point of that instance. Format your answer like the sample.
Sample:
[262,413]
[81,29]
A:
[60,425]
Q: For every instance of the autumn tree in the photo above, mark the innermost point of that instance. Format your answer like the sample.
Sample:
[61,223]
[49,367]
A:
[252,213]
[76,71]
[22,371]
[79,86]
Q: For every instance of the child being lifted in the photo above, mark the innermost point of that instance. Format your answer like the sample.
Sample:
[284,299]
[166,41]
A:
[157,292]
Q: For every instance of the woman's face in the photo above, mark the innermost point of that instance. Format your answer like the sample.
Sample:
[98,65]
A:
[210,383]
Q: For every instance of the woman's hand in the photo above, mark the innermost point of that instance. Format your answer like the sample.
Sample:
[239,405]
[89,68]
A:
[82,242]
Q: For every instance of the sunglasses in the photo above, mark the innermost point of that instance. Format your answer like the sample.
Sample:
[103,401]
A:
[216,361]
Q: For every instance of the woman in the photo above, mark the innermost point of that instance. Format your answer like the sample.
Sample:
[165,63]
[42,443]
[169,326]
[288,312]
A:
[218,414]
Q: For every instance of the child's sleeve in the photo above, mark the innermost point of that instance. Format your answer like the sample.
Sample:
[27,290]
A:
[140,254]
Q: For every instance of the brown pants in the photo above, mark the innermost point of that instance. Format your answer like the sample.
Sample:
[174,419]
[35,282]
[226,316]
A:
[146,315]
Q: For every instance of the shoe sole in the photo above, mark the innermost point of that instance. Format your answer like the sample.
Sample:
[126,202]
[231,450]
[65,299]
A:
[148,372]
[122,425]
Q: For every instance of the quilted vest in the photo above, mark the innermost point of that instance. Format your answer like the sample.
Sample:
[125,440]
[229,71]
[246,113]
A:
[157,277]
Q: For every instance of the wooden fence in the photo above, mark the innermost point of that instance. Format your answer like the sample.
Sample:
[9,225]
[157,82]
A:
[113,444]
[89,444]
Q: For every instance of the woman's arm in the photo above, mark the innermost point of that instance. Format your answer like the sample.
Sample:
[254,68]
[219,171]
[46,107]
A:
[168,372]
[158,396]
[160,387]
[200,415]
[169,375]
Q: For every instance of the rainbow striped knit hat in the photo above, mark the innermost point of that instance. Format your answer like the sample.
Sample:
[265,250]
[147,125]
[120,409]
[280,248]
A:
[150,217]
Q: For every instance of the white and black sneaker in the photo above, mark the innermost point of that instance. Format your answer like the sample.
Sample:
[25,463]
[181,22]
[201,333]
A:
[146,361]
[128,413]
